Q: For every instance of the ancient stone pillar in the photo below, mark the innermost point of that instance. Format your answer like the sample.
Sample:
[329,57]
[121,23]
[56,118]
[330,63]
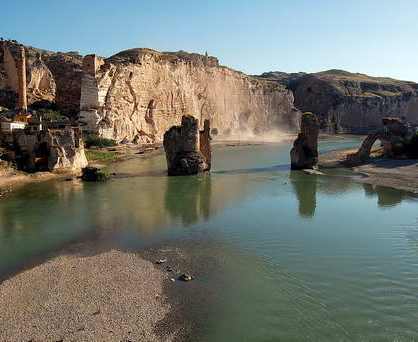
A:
[181,145]
[204,143]
[304,154]
[22,104]
[90,64]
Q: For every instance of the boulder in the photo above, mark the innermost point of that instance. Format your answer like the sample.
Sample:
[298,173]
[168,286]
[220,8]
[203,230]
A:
[304,154]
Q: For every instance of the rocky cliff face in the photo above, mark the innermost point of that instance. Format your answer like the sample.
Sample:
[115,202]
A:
[52,78]
[351,102]
[138,94]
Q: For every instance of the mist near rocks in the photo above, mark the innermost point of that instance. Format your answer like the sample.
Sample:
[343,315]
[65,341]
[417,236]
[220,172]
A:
[270,136]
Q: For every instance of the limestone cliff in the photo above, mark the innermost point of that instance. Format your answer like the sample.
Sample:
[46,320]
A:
[53,78]
[138,94]
[351,102]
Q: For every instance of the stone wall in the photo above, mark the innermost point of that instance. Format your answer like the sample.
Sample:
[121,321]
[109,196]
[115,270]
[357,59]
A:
[139,94]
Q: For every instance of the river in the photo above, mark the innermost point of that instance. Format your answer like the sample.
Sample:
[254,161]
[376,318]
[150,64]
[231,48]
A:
[279,255]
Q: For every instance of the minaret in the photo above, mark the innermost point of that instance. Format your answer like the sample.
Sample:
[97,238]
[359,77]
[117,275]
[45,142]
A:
[22,104]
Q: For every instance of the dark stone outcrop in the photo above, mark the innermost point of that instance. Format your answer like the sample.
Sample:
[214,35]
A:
[181,145]
[304,154]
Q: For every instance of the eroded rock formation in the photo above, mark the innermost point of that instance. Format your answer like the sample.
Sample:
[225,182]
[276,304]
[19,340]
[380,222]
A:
[182,148]
[49,150]
[351,102]
[138,94]
[304,154]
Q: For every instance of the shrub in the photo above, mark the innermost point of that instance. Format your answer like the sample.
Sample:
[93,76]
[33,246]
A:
[96,141]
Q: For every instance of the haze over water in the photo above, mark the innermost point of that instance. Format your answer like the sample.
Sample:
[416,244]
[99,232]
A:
[279,255]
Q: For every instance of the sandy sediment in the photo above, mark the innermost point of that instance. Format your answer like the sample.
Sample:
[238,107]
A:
[113,296]
[399,174]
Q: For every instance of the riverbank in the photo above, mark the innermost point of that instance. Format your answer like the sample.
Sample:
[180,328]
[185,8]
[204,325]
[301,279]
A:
[399,174]
[110,296]
[13,179]
[10,178]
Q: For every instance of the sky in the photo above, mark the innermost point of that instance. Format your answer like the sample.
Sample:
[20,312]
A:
[376,37]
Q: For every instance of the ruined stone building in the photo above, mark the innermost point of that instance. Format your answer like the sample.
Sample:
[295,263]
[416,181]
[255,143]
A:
[187,149]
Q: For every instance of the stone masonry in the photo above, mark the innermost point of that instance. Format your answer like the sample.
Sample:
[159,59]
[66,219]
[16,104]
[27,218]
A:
[22,104]
[182,148]
[304,154]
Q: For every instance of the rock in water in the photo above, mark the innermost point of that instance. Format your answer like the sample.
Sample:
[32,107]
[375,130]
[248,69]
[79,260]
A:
[304,154]
[181,145]
[186,277]
[94,174]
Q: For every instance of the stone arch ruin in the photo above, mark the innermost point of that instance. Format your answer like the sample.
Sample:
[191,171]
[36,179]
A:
[365,149]
[393,131]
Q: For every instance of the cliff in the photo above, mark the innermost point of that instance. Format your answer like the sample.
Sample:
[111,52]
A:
[350,101]
[53,78]
[138,94]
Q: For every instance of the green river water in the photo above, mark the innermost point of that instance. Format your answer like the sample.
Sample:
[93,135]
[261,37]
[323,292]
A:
[298,257]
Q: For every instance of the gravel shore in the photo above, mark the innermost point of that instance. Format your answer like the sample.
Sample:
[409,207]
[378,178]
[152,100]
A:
[113,296]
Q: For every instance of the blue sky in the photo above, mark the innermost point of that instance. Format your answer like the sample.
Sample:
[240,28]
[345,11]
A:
[378,37]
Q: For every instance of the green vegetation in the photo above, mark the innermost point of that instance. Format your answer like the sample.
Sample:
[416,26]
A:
[51,115]
[96,141]
[104,156]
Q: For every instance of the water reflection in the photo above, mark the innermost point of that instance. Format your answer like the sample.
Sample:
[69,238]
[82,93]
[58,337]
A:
[189,199]
[386,197]
[307,187]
